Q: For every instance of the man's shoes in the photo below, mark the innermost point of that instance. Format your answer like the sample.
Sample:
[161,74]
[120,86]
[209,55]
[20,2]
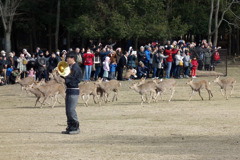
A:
[65,132]
[75,131]
[71,131]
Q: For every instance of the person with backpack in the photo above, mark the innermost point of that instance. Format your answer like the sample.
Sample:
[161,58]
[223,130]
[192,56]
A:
[88,62]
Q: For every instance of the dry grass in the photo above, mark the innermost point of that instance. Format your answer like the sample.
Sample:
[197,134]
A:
[164,130]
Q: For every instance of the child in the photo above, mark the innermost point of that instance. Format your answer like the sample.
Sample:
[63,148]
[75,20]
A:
[9,72]
[106,68]
[194,67]
[113,67]
[31,73]
[186,63]
[14,75]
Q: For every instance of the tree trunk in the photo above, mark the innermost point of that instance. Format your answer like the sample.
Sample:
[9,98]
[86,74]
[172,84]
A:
[57,24]
[230,41]
[216,24]
[68,40]
[50,37]
[8,42]
[136,44]
[238,54]
[210,22]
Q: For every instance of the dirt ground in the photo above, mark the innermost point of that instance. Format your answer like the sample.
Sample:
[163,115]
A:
[196,130]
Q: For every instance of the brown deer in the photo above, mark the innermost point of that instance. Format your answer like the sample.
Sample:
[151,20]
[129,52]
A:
[197,86]
[24,82]
[144,89]
[162,86]
[87,89]
[51,90]
[104,89]
[224,83]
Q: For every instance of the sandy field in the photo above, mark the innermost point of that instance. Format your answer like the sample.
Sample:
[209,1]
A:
[176,130]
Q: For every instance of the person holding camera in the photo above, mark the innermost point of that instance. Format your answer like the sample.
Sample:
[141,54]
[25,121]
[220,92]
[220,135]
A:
[88,62]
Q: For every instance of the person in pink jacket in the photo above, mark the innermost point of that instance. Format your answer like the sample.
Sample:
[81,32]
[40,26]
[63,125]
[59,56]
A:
[194,67]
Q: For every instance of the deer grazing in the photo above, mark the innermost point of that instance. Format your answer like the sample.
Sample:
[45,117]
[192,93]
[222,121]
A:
[88,89]
[144,89]
[197,86]
[224,83]
[104,89]
[162,86]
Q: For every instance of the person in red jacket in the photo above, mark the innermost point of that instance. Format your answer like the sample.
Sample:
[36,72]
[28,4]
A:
[88,62]
[170,53]
[194,67]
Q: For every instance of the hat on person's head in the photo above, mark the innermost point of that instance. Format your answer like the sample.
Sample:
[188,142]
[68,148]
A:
[141,47]
[40,51]
[24,49]
[3,52]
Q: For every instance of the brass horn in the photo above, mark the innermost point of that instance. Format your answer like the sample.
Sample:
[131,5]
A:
[63,68]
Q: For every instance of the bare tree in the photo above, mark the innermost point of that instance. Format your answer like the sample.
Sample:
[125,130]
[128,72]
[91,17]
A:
[218,21]
[8,10]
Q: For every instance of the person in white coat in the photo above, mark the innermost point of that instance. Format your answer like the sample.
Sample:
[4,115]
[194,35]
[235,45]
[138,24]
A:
[179,63]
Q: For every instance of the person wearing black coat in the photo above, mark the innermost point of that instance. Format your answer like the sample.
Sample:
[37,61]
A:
[122,62]
[53,62]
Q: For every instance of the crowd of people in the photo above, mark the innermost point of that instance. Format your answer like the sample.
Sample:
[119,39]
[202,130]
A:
[176,59]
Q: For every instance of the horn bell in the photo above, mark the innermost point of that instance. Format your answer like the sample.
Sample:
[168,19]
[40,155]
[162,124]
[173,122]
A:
[63,68]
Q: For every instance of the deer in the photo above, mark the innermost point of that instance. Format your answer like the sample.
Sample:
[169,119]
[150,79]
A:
[55,76]
[24,82]
[131,72]
[197,86]
[104,88]
[88,89]
[224,83]
[144,89]
[51,90]
[162,86]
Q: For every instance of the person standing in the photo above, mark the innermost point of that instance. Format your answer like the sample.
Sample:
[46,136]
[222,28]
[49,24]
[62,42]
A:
[88,62]
[194,67]
[120,66]
[72,94]
[42,67]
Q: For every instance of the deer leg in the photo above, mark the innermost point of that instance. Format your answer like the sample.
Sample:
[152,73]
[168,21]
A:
[55,97]
[191,95]
[231,91]
[114,96]
[45,98]
[142,99]
[84,99]
[86,102]
[37,101]
[200,94]
[150,98]
[172,92]
[94,99]
[222,92]
[225,90]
